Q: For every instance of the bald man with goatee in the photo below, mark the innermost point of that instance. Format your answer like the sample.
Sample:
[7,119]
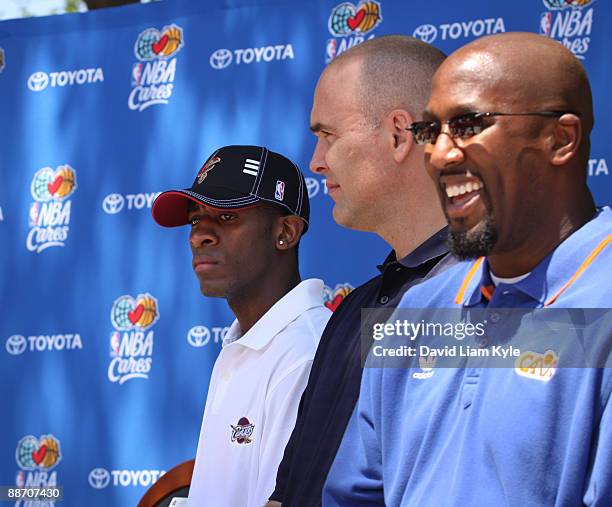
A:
[506,138]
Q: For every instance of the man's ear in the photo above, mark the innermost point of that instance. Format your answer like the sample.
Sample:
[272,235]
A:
[567,134]
[397,121]
[289,232]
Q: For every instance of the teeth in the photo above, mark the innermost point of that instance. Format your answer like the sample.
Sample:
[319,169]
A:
[455,190]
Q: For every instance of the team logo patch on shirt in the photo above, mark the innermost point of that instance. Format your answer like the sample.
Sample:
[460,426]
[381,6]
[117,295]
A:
[427,364]
[243,431]
[535,365]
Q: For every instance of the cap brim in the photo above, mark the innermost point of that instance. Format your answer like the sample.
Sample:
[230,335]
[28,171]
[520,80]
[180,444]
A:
[171,208]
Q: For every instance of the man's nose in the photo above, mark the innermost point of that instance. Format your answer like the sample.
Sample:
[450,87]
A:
[203,233]
[317,162]
[444,152]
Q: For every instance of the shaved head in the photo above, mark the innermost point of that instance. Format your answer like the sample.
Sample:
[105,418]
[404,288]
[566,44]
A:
[529,71]
[395,72]
[364,103]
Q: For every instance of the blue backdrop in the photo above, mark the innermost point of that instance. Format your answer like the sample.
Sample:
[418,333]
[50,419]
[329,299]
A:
[107,344]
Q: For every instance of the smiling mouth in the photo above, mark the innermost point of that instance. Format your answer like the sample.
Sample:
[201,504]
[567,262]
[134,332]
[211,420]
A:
[462,193]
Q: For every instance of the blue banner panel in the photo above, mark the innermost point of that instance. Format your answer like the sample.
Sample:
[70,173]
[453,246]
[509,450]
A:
[108,345]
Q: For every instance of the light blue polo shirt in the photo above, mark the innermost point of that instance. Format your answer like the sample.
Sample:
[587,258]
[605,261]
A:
[488,437]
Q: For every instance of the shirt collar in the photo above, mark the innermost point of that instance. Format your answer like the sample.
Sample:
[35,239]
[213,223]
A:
[304,296]
[557,268]
[433,247]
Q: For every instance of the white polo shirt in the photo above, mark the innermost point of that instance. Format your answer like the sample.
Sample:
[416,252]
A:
[253,398]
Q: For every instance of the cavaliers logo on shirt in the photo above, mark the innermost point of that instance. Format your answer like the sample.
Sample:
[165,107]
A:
[537,366]
[242,432]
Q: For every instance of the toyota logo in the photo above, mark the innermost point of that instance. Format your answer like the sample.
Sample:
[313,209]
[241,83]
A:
[16,344]
[427,33]
[221,59]
[38,81]
[99,478]
[113,203]
[198,336]
[312,185]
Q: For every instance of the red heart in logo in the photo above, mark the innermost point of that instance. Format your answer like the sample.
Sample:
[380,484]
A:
[39,455]
[335,303]
[356,19]
[54,187]
[135,314]
[159,46]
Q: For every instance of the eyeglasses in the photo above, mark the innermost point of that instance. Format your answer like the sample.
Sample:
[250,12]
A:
[466,125]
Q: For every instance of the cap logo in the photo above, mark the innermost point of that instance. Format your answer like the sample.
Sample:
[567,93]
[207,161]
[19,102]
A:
[279,195]
[251,167]
[207,167]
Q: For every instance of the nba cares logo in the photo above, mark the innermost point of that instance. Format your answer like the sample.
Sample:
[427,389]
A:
[153,44]
[565,4]
[570,22]
[131,345]
[134,313]
[58,185]
[153,74]
[49,216]
[349,25]
[38,453]
[346,18]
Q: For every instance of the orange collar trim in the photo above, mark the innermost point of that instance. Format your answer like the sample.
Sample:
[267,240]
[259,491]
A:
[587,262]
[467,279]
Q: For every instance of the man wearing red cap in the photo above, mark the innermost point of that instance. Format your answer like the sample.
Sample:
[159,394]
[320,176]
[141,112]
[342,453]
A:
[248,208]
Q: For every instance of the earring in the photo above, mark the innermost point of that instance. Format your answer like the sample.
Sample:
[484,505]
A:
[281,242]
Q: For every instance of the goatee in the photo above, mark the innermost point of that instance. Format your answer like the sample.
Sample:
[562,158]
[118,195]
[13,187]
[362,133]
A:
[476,242]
